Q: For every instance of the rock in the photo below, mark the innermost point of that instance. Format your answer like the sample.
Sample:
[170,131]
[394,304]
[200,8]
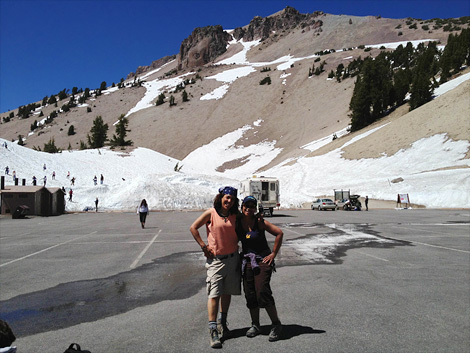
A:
[261,28]
[397,180]
[202,46]
[154,65]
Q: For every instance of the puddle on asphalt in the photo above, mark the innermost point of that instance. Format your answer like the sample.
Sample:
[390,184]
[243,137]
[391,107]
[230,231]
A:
[176,276]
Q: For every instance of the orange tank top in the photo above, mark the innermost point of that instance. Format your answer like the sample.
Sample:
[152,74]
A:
[221,234]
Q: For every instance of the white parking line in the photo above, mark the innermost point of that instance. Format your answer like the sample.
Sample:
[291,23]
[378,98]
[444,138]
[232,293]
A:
[375,257]
[440,247]
[134,264]
[431,245]
[43,250]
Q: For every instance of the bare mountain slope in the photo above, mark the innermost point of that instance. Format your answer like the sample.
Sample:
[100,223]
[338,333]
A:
[295,109]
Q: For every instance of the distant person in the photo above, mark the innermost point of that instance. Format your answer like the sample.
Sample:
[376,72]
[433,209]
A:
[72,182]
[44,166]
[101,179]
[96,205]
[95,180]
[45,180]
[34,180]
[222,260]
[258,266]
[68,175]
[63,190]
[70,195]
[143,211]
[14,175]
[53,175]
[7,170]
[367,203]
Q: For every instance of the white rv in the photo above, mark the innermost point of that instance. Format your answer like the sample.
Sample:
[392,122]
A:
[264,189]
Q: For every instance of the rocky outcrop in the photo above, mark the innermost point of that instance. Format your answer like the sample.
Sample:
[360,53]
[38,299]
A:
[154,65]
[289,18]
[202,46]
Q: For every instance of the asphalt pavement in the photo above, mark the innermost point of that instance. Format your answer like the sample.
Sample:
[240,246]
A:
[379,281]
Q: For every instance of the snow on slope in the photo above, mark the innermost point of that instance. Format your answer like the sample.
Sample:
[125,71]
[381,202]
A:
[148,174]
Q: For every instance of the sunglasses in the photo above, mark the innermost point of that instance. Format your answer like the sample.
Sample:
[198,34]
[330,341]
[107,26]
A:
[250,205]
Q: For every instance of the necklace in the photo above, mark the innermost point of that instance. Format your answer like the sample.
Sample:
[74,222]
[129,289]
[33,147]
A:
[225,217]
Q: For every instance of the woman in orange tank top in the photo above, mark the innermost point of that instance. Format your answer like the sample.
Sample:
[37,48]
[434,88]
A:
[222,259]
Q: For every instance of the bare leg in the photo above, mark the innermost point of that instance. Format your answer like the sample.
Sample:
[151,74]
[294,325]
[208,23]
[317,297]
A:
[212,308]
[225,300]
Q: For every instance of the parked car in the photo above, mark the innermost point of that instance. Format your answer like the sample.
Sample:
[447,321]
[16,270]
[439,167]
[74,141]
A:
[353,204]
[323,204]
[341,203]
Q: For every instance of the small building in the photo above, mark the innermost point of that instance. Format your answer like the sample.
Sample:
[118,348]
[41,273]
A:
[41,201]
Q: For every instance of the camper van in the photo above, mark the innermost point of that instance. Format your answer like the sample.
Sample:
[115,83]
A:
[264,189]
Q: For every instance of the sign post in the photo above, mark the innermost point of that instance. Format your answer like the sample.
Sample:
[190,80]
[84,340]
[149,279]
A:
[403,198]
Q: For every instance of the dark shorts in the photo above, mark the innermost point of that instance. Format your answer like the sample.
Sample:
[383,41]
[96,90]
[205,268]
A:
[143,216]
[257,288]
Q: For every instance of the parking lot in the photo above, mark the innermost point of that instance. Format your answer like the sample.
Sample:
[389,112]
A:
[377,281]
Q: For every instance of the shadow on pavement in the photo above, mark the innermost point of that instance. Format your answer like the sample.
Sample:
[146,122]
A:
[288,331]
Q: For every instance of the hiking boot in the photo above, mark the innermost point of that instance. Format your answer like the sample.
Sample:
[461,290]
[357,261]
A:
[253,331]
[275,333]
[223,329]
[215,341]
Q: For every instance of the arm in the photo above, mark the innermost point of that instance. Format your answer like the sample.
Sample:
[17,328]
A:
[194,229]
[277,232]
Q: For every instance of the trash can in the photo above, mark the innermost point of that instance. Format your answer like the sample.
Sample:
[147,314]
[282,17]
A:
[20,212]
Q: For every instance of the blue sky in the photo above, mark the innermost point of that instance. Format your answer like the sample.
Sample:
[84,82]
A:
[46,46]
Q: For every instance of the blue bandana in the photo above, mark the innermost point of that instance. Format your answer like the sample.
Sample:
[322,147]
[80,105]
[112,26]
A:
[228,190]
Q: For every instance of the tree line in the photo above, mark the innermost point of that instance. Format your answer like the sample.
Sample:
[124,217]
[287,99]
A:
[97,137]
[407,73]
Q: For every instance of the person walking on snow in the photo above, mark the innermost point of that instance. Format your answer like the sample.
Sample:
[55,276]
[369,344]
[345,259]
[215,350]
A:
[70,195]
[95,179]
[96,205]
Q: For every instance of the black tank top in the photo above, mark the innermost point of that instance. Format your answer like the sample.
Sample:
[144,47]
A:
[253,241]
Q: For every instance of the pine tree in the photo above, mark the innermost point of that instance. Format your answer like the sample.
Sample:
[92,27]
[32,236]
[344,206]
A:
[372,92]
[98,132]
[426,67]
[52,100]
[71,130]
[50,147]
[119,139]
[185,96]
[103,86]
[160,99]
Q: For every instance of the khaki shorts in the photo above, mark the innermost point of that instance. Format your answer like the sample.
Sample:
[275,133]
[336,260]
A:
[223,276]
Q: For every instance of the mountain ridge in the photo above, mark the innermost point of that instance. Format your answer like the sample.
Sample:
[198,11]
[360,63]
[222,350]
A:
[295,110]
